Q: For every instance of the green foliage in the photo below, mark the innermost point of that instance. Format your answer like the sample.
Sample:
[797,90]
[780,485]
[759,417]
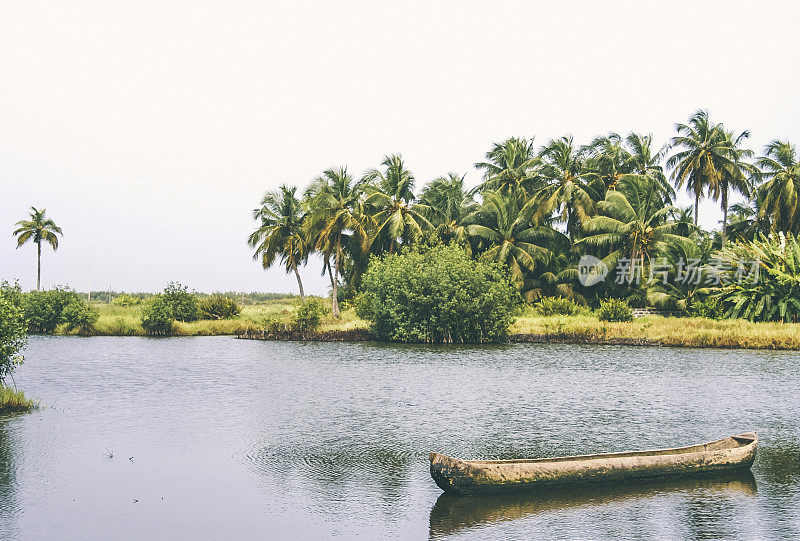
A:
[558,306]
[708,308]
[44,310]
[181,303]
[775,294]
[127,300]
[615,310]
[12,400]
[218,307]
[439,296]
[78,315]
[308,315]
[157,318]
[12,329]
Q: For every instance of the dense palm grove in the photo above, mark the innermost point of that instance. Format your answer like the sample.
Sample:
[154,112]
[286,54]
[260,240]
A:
[538,211]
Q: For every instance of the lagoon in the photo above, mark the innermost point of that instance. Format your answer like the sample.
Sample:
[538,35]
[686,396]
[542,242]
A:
[213,437]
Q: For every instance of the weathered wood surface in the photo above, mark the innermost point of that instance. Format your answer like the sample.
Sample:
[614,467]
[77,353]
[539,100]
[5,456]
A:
[477,476]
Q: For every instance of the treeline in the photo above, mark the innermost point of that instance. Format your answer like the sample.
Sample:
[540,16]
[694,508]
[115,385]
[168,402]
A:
[132,298]
[539,210]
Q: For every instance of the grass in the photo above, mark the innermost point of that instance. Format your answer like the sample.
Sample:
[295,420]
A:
[14,401]
[688,332]
[664,331]
[118,320]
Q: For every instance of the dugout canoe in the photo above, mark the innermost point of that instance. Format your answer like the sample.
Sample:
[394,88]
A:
[479,476]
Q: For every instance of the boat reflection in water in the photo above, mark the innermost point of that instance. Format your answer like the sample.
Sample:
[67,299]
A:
[453,513]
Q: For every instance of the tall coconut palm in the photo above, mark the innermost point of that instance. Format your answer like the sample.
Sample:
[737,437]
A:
[708,158]
[390,194]
[448,205]
[570,188]
[735,173]
[695,161]
[607,157]
[504,230]
[631,223]
[37,229]
[281,233]
[335,219]
[780,194]
[642,160]
[510,167]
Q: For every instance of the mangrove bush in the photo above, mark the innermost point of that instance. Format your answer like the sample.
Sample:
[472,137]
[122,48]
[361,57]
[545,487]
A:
[437,296]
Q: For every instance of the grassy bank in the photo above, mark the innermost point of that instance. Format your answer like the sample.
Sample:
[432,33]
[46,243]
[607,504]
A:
[118,320]
[653,330]
[15,401]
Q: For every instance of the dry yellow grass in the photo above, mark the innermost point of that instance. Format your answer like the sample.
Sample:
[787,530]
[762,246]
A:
[687,332]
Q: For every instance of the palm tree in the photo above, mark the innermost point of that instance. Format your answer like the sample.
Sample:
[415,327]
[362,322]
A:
[682,217]
[695,162]
[448,205]
[504,230]
[390,195]
[643,161]
[335,219]
[631,223]
[570,186]
[709,158]
[39,228]
[281,232]
[734,173]
[744,222]
[780,194]
[510,167]
[607,157]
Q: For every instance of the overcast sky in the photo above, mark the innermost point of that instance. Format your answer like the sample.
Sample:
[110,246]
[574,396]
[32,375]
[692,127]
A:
[150,130]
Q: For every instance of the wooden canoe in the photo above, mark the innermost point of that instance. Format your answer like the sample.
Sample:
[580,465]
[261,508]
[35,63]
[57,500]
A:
[478,476]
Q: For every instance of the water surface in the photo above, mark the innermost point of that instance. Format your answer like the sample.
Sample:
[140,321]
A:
[214,437]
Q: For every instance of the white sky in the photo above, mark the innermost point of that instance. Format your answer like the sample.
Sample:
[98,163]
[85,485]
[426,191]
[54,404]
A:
[150,130]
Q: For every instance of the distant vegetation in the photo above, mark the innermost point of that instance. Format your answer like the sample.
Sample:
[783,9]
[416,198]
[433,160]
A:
[537,212]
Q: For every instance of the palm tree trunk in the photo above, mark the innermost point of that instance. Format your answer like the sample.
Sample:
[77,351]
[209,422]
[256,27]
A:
[299,282]
[337,261]
[330,273]
[38,265]
[724,215]
[696,205]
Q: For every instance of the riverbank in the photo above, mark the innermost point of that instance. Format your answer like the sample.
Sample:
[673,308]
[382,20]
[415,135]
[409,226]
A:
[587,329]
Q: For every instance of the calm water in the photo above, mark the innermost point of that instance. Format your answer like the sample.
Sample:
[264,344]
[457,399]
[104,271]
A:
[219,438]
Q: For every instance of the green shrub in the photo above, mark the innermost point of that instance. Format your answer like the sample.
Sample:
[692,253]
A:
[615,310]
[78,315]
[218,307]
[157,316]
[439,296]
[308,315]
[709,308]
[182,304]
[13,335]
[557,306]
[127,300]
[44,309]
